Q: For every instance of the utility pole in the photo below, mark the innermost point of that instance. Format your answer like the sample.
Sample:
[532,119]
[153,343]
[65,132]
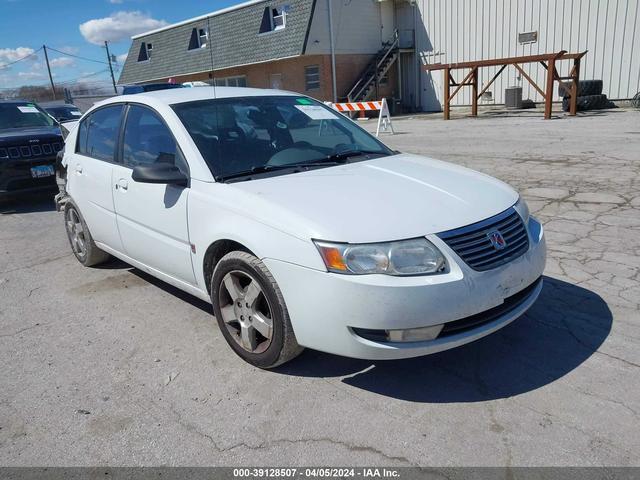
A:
[46,57]
[333,53]
[113,80]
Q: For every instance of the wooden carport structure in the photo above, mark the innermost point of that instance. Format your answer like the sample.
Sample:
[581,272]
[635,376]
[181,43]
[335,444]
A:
[547,60]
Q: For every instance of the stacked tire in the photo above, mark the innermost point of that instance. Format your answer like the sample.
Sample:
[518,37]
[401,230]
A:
[590,96]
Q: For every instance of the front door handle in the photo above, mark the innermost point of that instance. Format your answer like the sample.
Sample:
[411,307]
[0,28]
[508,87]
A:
[122,185]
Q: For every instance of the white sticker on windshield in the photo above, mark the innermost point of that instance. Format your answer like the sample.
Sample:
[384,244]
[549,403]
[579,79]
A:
[76,114]
[28,109]
[316,112]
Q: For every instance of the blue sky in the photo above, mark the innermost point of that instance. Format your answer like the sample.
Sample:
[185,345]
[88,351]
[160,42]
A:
[28,24]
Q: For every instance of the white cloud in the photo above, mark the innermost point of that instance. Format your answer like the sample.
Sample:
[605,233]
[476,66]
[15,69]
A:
[13,54]
[116,1]
[31,75]
[122,58]
[118,26]
[68,49]
[61,62]
[8,55]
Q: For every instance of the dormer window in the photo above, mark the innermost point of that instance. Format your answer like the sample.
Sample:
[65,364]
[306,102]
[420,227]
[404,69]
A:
[145,52]
[198,39]
[203,36]
[274,18]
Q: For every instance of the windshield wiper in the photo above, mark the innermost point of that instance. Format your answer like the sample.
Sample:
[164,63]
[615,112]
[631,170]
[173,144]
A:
[346,154]
[272,168]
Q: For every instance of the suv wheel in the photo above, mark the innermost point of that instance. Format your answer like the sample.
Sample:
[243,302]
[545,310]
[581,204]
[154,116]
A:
[82,244]
[251,312]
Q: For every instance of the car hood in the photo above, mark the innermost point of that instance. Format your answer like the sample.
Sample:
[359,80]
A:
[18,134]
[389,198]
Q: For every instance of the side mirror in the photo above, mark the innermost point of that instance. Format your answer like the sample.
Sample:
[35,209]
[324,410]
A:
[162,173]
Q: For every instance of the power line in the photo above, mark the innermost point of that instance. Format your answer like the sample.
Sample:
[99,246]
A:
[76,56]
[4,65]
[73,80]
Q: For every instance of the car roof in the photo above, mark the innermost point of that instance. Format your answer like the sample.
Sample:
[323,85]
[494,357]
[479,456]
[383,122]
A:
[182,95]
[16,100]
[60,105]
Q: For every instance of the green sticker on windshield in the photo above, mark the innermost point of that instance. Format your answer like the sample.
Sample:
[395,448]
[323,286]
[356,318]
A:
[304,101]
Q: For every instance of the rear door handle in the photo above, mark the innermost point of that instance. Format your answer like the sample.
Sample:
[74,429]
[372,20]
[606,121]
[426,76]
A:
[78,168]
[122,184]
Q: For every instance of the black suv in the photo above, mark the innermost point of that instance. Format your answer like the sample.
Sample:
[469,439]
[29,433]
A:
[64,112]
[29,142]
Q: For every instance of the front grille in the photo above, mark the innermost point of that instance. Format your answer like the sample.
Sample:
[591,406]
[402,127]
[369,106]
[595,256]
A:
[30,151]
[479,319]
[473,245]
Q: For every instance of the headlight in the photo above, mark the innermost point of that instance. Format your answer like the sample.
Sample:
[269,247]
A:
[406,257]
[523,209]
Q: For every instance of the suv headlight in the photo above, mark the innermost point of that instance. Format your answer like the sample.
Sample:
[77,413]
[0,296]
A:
[523,209]
[405,257]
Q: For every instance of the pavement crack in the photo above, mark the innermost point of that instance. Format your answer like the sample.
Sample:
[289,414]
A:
[269,443]
[627,362]
[26,267]
[22,330]
[351,447]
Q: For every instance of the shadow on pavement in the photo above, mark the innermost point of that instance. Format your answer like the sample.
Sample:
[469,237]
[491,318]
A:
[31,204]
[563,329]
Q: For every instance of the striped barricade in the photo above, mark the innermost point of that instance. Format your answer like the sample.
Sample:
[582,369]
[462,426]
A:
[384,120]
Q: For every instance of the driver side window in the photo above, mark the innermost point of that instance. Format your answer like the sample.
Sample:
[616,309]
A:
[147,140]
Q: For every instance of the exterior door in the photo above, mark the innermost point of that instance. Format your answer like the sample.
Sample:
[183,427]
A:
[152,218]
[276,81]
[89,170]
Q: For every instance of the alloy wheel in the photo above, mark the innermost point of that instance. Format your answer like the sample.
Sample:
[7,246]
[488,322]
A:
[246,311]
[75,230]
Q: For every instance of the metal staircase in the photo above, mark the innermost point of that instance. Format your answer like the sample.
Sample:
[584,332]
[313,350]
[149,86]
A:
[366,86]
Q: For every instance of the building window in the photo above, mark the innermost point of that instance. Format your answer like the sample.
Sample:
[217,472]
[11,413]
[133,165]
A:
[198,39]
[145,53]
[274,18]
[238,81]
[149,48]
[312,77]
[203,36]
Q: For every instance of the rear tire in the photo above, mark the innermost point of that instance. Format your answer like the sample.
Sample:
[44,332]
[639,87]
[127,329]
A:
[80,239]
[251,312]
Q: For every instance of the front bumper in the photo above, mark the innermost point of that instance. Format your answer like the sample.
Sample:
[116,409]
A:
[327,309]
[16,178]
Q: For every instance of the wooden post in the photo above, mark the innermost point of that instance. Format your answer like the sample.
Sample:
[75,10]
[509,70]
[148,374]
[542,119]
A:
[551,67]
[446,99]
[474,92]
[573,102]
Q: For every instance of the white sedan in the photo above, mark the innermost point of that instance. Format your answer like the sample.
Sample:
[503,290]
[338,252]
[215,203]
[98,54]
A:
[299,227]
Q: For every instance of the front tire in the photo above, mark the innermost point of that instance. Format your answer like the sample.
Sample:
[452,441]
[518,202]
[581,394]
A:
[80,239]
[251,312]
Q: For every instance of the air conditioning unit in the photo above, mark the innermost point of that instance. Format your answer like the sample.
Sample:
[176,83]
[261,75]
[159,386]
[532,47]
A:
[513,97]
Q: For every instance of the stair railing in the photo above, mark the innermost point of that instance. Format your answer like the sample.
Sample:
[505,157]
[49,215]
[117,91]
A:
[370,77]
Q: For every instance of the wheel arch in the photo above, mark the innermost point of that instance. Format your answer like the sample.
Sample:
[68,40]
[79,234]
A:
[214,254]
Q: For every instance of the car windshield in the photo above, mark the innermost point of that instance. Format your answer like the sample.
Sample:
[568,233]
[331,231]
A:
[263,134]
[23,115]
[64,112]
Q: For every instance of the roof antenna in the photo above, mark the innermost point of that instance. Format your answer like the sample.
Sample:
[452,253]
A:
[210,45]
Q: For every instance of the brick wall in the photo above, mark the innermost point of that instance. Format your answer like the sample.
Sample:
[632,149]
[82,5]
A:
[348,68]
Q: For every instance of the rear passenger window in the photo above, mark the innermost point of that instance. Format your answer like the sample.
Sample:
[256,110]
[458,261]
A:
[147,140]
[102,136]
[82,137]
